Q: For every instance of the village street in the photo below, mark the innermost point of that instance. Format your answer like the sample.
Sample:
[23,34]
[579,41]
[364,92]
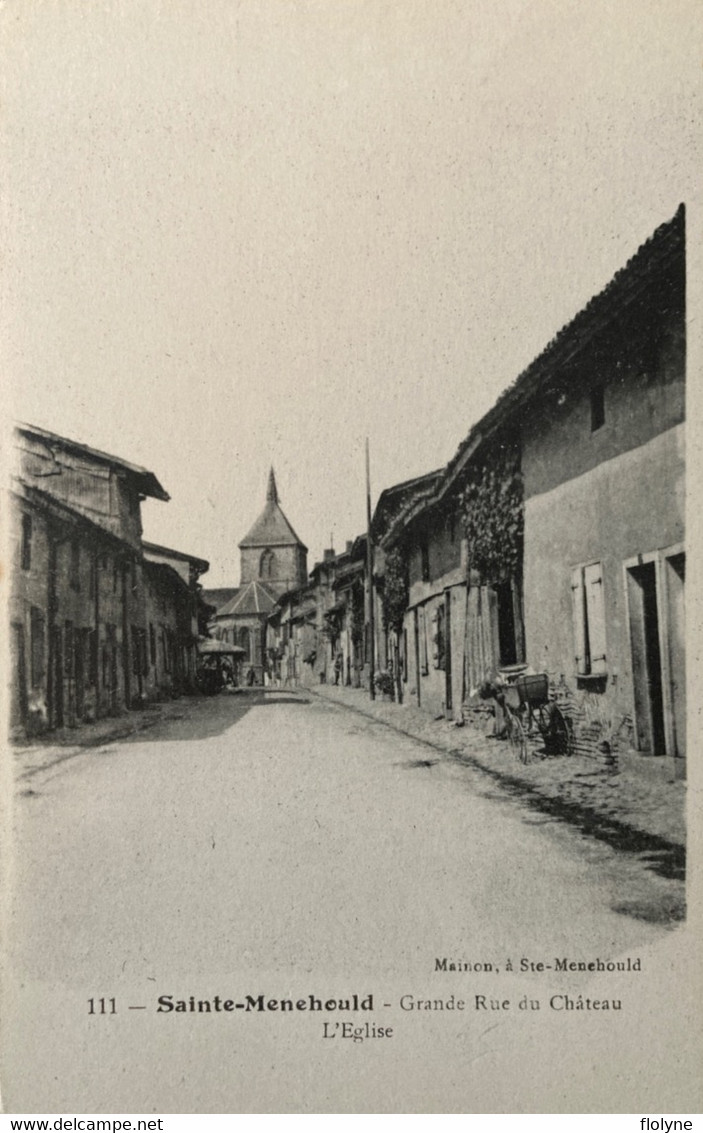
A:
[279,845]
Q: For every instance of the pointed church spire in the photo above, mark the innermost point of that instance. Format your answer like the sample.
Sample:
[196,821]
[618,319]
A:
[272,491]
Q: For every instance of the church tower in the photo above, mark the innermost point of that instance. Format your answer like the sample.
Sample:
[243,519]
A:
[271,552]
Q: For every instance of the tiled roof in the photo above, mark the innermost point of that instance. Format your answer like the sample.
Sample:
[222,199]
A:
[221,597]
[641,271]
[396,500]
[272,529]
[168,552]
[253,598]
[165,574]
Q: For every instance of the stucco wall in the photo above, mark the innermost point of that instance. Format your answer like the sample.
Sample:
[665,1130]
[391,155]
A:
[444,554]
[644,395]
[628,505]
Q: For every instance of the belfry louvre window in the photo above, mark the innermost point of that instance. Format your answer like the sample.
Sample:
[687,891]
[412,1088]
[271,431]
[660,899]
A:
[588,608]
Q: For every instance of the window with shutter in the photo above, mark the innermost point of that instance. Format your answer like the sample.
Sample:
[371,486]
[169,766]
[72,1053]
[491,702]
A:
[595,617]
[578,609]
[588,614]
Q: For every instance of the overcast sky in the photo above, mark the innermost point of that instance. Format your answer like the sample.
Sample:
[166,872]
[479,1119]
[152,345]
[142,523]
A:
[244,233]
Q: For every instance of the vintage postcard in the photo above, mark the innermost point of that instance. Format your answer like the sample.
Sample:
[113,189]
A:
[350,727]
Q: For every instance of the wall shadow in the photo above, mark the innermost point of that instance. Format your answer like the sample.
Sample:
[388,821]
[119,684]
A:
[203,717]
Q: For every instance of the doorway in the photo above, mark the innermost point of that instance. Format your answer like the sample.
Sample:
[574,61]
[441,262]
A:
[647,678]
[416,635]
[20,700]
[675,578]
[505,623]
[448,652]
[57,690]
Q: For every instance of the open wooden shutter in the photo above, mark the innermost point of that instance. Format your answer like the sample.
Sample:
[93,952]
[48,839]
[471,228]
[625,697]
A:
[595,607]
[435,632]
[578,610]
[422,632]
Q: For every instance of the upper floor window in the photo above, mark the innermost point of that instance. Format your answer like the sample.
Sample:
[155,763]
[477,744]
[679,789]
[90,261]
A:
[597,408]
[26,542]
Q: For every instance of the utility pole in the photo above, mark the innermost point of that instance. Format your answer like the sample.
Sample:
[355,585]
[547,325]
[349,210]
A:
[369,572]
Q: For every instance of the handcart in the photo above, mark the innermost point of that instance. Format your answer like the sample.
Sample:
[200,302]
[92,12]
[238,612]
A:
[531,709]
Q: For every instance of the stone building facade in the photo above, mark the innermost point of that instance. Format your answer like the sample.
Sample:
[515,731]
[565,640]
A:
[554,539]
[79,588]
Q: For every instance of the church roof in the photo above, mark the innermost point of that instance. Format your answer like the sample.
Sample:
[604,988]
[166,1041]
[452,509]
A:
[219,597]
[272,529]
[253,598]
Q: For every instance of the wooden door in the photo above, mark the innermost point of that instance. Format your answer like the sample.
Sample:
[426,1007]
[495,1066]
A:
[675,574]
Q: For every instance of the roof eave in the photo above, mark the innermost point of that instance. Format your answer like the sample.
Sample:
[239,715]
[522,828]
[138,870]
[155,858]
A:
[144,480]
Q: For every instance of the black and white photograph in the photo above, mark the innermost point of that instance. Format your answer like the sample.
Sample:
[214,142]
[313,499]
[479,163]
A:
[351,352]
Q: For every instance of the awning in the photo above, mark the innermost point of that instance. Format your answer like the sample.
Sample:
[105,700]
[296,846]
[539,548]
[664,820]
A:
[210,646]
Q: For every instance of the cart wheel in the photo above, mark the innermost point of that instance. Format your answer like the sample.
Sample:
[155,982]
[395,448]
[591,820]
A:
[516,736]
[567,731]
[555,730]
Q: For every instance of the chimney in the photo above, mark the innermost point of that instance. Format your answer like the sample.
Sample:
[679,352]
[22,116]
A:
[350,544]
[328,555]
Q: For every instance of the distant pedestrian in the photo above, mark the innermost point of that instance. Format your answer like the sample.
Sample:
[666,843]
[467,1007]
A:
[251,676]
[338,666]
